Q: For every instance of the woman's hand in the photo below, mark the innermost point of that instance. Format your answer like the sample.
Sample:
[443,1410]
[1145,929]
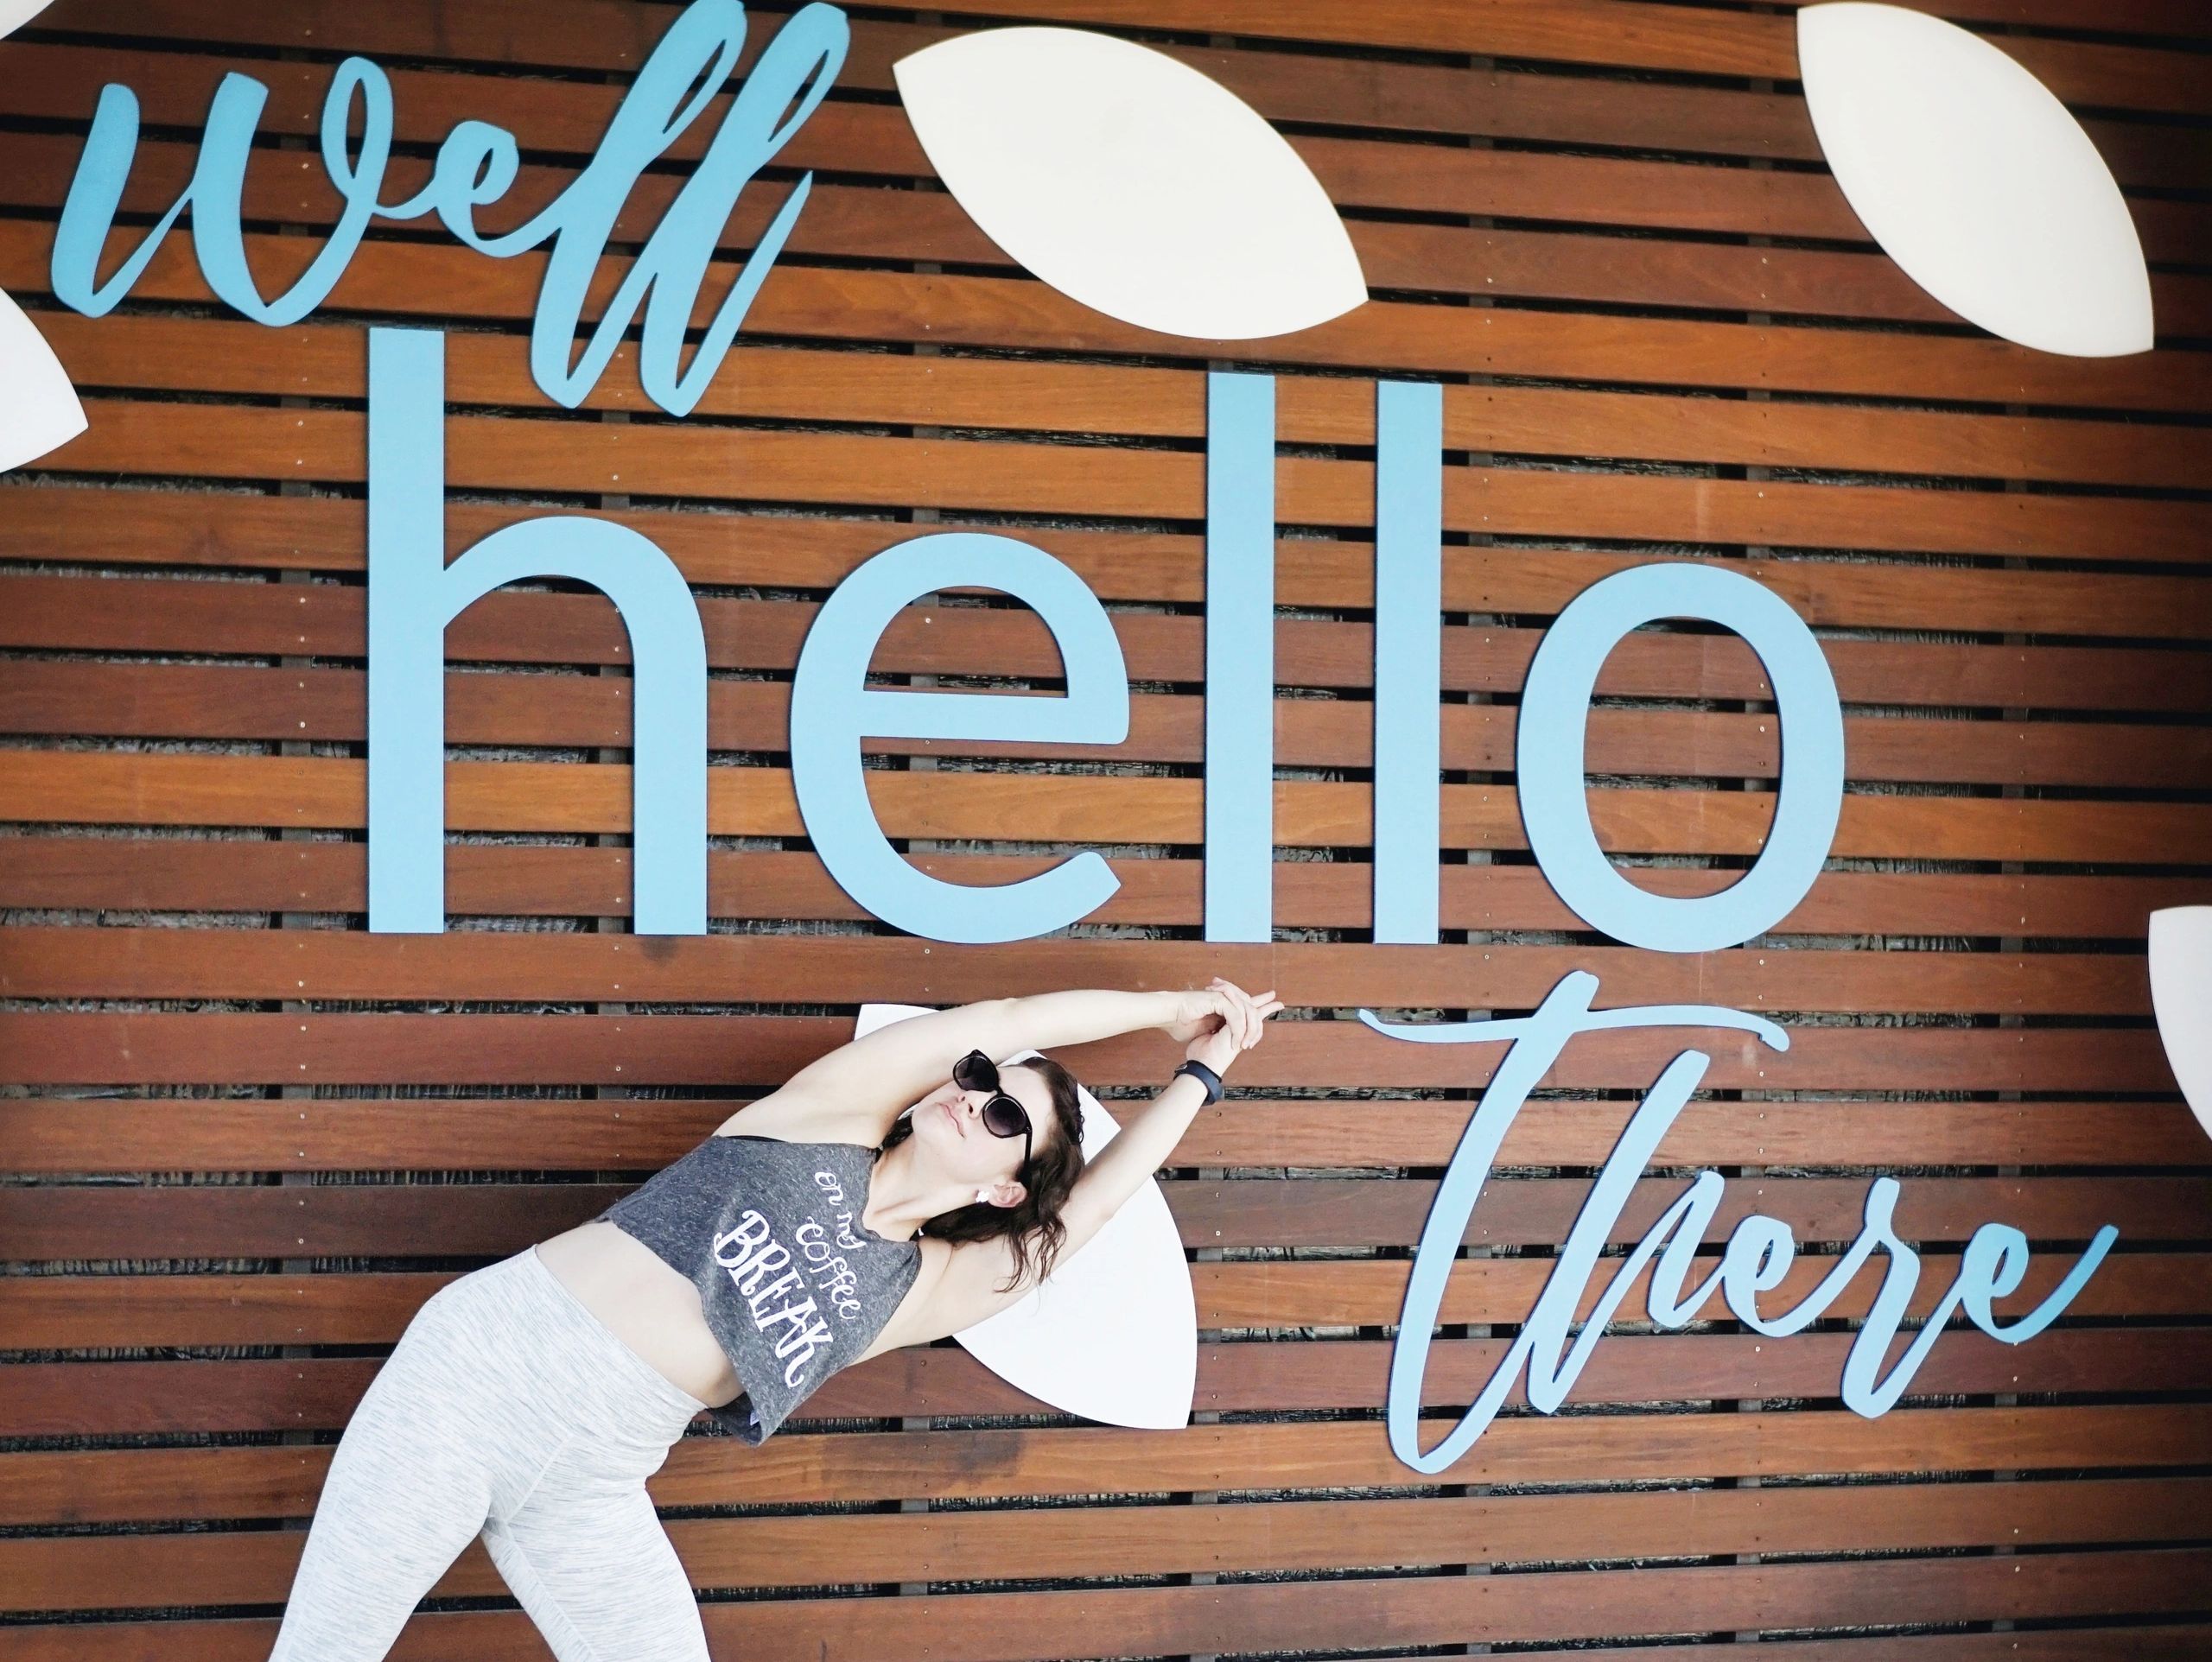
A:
[1230,1022]
[1198,1009]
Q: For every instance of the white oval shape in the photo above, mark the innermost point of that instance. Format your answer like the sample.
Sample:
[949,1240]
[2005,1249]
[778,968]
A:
[1112,1334]
[1974,179]
[39,409]
[2181,997]
[1131,182]
[14,13]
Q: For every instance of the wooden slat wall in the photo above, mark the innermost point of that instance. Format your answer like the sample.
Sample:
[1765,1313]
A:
[242,1140]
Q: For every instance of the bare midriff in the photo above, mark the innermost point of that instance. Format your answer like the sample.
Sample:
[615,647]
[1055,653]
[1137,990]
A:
[645,1301]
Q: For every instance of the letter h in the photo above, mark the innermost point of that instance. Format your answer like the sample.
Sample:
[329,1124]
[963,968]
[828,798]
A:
[414,595]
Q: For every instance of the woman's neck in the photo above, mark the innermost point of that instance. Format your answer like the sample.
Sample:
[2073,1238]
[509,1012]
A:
[902,1196]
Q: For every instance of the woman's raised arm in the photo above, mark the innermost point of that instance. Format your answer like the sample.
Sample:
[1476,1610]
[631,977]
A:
[860,1089]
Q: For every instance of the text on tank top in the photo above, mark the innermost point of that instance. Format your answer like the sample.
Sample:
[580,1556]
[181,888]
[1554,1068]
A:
[792,1285]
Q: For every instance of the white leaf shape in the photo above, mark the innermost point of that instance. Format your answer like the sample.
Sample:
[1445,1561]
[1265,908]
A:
[1112,1334]
[14,13]
[2180,996]
[39,409]
[1130,183]
[1974,179]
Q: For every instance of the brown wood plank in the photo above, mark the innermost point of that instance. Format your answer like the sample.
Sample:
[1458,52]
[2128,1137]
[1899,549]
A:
[47,1048]
[229,874]
[217,355]
[1278,1293]
[78,698]
[138,789]
[809,1468]
[69,963]
[487,452]
[404,279]
[595,33]
[93,1399]
[80,1573]
[69,1135]
[159,615]
[84,1220]
[500,1635]
[64,1312]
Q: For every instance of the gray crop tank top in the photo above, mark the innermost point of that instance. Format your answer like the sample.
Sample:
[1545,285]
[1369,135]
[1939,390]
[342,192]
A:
[792,1284]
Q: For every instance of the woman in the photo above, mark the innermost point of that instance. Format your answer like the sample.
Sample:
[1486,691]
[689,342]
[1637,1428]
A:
[897,1189]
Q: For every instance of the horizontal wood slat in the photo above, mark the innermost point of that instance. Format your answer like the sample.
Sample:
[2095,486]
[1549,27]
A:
[484,452]
[255,1566]
[131,788]
[233,875]
[156,701]
[810,1469]
[987,1626]
[59,1312]
[116,1048]
[795,383]
[411,280]
[96,1399]
[178,615]
[557,1134]
[167,963]
[597,34]
[82,1220]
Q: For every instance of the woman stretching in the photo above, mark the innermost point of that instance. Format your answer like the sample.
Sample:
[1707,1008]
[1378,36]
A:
[899,1188]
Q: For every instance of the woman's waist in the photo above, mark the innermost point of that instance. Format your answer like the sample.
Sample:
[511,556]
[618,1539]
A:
[645,1301]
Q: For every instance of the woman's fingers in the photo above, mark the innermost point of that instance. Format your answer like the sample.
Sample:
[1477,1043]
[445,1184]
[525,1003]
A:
[1246,1012]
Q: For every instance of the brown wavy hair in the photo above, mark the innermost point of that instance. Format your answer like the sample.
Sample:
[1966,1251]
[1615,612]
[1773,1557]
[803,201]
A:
[1034,1225]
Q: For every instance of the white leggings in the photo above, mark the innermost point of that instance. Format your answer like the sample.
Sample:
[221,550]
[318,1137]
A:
[507,1409]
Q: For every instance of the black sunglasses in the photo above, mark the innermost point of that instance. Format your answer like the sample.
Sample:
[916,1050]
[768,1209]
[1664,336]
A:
[1003,1115]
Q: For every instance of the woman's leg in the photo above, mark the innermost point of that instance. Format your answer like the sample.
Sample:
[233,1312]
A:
[409,1485]
[587,1557]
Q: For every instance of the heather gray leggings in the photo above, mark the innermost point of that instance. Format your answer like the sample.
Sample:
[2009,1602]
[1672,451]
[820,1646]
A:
[506,1408]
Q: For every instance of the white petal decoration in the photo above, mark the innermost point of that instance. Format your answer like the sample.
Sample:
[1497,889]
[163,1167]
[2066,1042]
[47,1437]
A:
[1974,179]
[39,409]
[1131,182]
[1112,1334]
[2181,995]
[14,13]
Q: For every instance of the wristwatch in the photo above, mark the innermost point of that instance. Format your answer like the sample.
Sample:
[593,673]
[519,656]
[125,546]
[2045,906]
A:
[1205,1075]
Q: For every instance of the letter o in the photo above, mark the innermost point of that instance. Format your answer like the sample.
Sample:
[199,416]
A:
[1549,748]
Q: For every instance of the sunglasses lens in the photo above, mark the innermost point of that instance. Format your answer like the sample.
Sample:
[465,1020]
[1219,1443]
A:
[976,1072]
[1004,1117]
